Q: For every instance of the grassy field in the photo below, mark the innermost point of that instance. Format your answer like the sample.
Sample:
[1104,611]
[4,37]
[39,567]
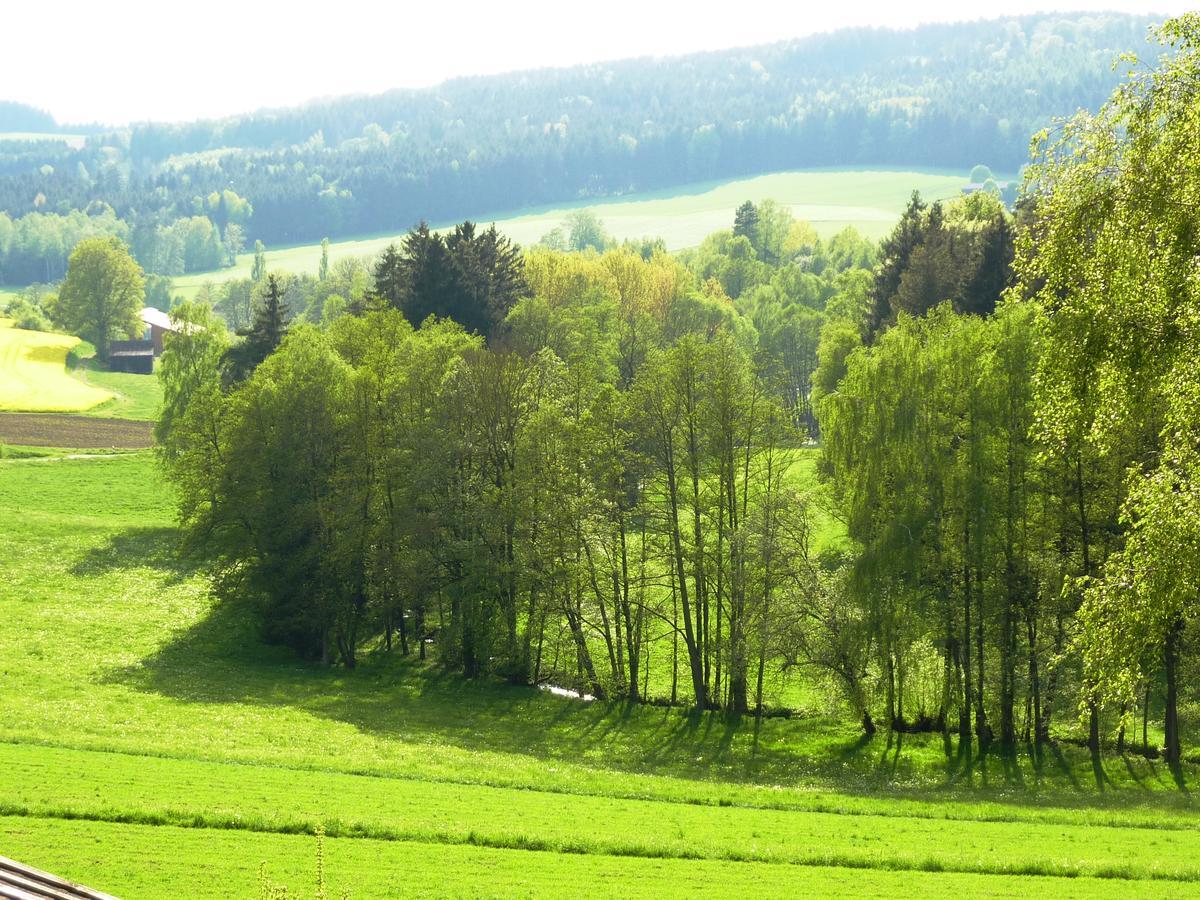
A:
[870,200]
[72,140]
[152,747]
[34,378]
[135,397]
[42,372]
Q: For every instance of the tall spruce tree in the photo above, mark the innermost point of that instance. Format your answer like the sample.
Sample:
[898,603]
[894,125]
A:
[745,223]
[263,336]
[390,277]
[895,252]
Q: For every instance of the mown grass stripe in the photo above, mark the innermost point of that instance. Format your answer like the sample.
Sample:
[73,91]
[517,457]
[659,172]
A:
[337,829]
[954,810]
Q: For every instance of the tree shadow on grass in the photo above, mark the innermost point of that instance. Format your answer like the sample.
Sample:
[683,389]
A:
[219,659]
[152,547]
[1061,760]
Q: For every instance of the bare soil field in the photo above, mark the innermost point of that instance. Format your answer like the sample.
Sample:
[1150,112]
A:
[43,430]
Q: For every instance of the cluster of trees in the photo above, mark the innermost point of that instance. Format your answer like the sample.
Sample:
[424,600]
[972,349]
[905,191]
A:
[601,480]
[962,253]
[1024,485]
[35,247]
[1112,260]
[789,284]
[939,95]
[20,117]
[592,479]
[969,533]
[191,244]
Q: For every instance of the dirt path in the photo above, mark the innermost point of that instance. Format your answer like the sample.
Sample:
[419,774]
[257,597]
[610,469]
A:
[43,430]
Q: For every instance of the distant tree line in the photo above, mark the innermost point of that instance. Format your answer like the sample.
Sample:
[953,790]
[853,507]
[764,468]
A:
[35,247]
[940,95]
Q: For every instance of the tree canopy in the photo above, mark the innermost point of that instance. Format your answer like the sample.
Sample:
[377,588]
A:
[101,297]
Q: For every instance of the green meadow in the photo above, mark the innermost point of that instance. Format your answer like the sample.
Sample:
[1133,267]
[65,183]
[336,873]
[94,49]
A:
[135,397]
[871,200]
[153,747]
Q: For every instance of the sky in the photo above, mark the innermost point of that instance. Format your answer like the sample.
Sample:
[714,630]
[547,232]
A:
[123,61]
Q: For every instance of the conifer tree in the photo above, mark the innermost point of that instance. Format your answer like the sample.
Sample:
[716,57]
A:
[745,223]
[263,336]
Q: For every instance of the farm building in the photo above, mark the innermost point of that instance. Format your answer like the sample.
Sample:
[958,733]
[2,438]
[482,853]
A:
[157,323]
[138,356]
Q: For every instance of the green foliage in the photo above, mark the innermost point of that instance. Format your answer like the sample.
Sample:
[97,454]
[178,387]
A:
[27,310]
[585,231]
[103,293]
[926,439]
[189,244]
[961,253]
[158,292]
[265,334]
[259,270]
[1111,258]
[980,174]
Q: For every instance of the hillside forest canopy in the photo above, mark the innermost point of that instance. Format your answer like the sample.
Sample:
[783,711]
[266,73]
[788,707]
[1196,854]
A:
[190,197]
[588,469]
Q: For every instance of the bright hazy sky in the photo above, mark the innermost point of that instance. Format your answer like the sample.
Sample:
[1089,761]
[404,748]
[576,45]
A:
[129,60]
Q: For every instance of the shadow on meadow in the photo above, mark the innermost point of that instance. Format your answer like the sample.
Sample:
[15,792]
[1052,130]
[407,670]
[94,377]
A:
[151,547]
[219,659]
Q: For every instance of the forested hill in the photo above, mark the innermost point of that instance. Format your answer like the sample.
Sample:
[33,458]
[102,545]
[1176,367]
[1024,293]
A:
[22,118]
[938,95]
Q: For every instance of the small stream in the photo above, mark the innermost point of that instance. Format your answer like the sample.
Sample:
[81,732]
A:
[565,692]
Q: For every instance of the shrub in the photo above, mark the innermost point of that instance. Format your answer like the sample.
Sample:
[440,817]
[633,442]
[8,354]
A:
[28,315]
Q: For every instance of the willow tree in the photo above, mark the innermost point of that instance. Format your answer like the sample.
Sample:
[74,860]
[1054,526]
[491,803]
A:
[1112,259]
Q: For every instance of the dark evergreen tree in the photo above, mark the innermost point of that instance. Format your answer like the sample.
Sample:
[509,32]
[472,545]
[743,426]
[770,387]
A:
[933,274]
[487,277]
[390,277]
[472,277]
[424,273]
[261,338]
[745,223]
[990,269]
[895,252]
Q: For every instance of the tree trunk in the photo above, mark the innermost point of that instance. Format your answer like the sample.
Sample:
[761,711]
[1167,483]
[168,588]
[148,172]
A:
[1173,749]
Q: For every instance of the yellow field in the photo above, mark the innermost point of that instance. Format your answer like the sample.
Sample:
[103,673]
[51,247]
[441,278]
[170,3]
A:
[33,374]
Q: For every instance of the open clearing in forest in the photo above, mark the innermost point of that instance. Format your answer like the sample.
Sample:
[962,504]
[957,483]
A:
[34,377]
[74,141]
[871,200]
[154,748]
